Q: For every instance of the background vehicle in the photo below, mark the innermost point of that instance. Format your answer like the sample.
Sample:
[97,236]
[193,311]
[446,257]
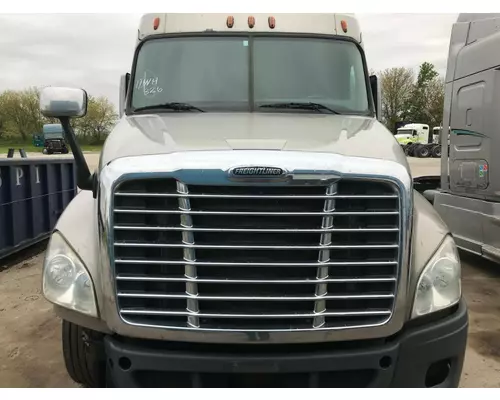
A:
[417,140]
[53,139]
[466,195]
[251,225]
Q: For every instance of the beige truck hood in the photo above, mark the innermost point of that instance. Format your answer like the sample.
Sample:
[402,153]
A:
[180,132]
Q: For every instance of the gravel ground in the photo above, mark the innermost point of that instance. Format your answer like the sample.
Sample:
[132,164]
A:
[30,333]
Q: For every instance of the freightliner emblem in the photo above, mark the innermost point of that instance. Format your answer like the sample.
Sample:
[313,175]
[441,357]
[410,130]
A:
[257,171]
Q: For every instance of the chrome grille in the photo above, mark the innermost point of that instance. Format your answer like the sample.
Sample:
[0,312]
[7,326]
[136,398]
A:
[270,257]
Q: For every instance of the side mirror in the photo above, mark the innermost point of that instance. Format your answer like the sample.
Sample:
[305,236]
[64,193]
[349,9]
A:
[64,103]
[124,81]
[57,102]
[377,96]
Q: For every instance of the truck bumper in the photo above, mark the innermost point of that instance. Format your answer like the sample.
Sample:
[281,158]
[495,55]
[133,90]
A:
[428,354]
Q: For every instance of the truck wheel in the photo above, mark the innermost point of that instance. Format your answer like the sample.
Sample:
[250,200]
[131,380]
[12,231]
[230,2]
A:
[50,151]
[65,151]
[422,151]
[436,151]
[408,150]
[84,355]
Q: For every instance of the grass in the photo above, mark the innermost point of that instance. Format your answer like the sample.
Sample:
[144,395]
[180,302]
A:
[29,148]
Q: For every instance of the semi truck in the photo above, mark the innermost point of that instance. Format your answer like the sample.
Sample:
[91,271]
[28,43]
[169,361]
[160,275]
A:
[251,222]
[466,194]
[419,141]
[53,139]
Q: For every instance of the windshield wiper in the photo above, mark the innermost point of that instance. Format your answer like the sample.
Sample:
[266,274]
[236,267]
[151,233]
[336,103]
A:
[171,106]
[300,106]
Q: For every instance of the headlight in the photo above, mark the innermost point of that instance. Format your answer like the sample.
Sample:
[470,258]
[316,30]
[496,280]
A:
[65,280]
[439,285]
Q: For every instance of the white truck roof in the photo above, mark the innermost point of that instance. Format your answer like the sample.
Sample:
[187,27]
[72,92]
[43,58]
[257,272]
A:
[414,126]
[327,24]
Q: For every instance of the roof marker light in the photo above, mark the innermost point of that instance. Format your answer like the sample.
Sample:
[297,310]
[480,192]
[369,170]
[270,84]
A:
[272,22]
[343,24]
[230,21]
[251,22]
[156,23]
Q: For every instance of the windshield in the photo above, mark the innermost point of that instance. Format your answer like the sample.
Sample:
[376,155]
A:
[242,73]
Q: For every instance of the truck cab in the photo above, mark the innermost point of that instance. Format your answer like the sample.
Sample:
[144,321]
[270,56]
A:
[53,139]
[413,133]
[251,222]
[468,195]
[418,140]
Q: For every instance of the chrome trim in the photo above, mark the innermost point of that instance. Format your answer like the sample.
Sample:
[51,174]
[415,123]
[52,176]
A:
[243,247]
[182,313]
[304,168]
[256,213]
[189,253]
[253,298]
[179,228]
[254,264]
[324,257]
[257,281]
[266,196]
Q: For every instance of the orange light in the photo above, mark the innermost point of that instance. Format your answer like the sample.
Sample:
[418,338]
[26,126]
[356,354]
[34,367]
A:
[272,22]
[251,22]
[343,24]
[230,21]
[156,23]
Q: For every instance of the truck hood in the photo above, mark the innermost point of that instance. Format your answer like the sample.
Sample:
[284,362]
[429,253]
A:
[179,132]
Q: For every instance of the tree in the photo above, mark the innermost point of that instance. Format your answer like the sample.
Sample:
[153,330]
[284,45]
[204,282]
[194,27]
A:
[418,103]
[100,119]
[435,101]
[396,87]
[3,116]
[22,111]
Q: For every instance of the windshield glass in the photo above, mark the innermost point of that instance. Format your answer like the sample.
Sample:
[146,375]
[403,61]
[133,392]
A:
[405,132]
[218,73]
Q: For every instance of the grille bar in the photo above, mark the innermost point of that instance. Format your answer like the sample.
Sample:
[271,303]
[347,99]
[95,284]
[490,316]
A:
[250,281]
[255,264]
[288,315]
[235,196]
[253,298]
[253,247]
[324,257]
[190,256]
[193,229]
[250,213]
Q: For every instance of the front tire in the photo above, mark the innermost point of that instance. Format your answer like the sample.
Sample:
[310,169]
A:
[84,355]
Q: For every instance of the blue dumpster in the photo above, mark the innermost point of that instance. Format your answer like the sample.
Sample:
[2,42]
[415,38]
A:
[33,194]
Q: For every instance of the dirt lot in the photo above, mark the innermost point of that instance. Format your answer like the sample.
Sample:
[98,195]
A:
[30,350]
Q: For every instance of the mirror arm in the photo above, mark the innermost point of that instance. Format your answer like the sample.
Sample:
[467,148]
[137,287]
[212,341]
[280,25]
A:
[84,178]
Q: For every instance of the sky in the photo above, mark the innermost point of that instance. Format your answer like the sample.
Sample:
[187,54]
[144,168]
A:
[92,51]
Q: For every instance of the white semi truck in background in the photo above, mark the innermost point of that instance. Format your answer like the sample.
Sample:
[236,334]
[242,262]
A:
[251,222]
[467,194]
[417,140]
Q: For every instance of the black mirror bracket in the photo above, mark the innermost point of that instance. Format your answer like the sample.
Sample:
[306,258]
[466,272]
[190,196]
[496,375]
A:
[84,179]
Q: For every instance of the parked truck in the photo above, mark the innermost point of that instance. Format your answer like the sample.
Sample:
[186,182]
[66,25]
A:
[251,222]
[418,140]
[53,139]
[467,194]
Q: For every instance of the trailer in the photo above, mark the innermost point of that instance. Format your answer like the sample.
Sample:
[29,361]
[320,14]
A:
[33,194]
[467,195]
